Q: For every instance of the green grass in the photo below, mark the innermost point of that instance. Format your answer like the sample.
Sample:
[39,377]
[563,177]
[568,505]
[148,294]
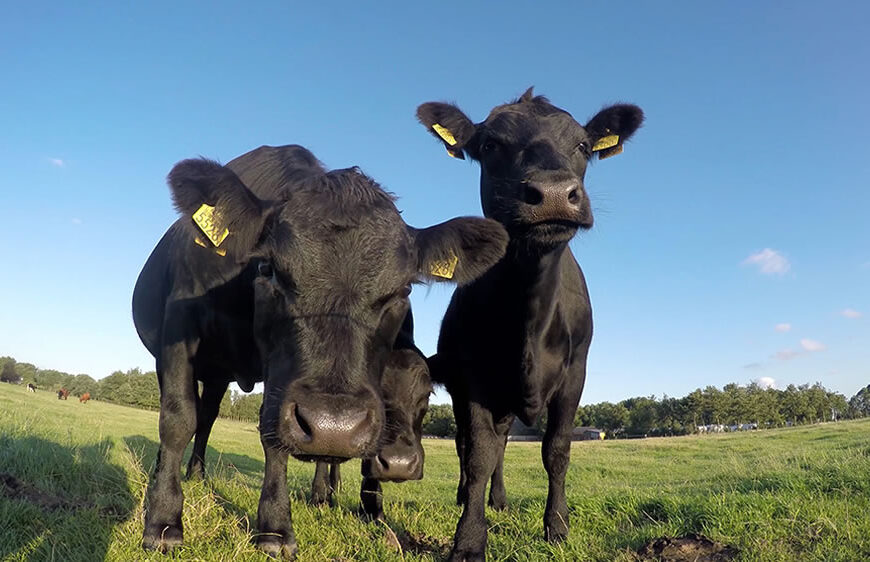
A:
[789,494]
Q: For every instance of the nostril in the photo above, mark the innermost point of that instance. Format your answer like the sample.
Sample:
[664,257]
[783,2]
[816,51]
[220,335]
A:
[384,464]
[302,422]
[532,196]
[573,197]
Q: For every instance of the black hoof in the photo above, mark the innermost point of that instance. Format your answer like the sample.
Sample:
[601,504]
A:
[162,538]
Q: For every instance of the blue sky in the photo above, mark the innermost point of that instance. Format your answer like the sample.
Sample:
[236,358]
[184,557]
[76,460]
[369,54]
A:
[732,240]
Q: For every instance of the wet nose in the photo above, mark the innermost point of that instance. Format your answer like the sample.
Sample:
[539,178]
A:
[560,195]
[397,464]
[330,426]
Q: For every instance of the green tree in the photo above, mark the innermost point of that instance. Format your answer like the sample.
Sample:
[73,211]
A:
[439,421]
[859,405]
[8,373]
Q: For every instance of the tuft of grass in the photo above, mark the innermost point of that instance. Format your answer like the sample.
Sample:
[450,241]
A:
[798,493]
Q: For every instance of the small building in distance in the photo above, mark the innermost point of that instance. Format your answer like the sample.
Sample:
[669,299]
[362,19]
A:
[587,434]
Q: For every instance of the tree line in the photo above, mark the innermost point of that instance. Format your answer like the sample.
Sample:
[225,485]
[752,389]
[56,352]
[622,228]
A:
[733,405]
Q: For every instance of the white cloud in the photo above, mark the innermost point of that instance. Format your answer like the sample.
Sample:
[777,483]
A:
[783,327]
[769,262]
[786,354]
[812,345]
[850,313]
[56,162]
[766,382]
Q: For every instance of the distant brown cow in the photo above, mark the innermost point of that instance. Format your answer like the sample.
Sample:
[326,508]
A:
[85,397]
[62,394]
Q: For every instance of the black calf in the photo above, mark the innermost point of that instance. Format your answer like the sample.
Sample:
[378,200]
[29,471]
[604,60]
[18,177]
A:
[275,265]
[515,341]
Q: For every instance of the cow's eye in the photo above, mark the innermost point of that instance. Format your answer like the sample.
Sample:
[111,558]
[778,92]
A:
[264,268]
[582,147]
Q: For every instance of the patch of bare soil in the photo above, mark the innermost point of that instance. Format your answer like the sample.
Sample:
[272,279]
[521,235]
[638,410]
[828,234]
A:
[418,544]
[690,548]
[13,488]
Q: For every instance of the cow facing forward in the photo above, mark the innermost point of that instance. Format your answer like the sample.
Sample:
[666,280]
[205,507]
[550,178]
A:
[303,286]
[514,342]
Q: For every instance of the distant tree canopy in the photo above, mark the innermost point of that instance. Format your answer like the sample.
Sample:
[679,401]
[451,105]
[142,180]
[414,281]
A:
[642,415]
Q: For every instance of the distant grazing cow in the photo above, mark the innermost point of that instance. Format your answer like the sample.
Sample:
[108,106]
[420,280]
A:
[407,386]
[515,341]
[301,282]
[85,397]
[31,387]
[62,394]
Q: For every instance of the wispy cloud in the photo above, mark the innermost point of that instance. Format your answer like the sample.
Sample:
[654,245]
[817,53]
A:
[783,327]
[766,382]
[753,366]
[769,262]
[812,345]
[786,354]
[56,162]
[850,313]
[76,221]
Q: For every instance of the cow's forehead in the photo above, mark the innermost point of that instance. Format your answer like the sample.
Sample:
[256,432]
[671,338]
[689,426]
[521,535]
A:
[526,120]
[373,253]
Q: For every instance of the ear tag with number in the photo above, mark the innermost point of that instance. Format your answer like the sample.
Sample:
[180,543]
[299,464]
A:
[606,142]
[444,133]
[608,152]
[206,218]
[444,268]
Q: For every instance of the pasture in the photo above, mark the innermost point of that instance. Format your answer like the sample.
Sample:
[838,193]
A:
[73,476]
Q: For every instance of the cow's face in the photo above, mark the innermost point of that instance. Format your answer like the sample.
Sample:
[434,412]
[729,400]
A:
[331,266]
[407,387]
[533,159]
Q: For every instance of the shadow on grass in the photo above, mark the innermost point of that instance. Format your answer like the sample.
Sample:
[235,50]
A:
[59,502]
[146,450]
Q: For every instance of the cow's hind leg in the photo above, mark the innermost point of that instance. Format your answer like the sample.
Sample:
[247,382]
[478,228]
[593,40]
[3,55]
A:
[327,480]
[206,414]
[276,537]
[461,441]
[163,528]
[556,454]
[497,493]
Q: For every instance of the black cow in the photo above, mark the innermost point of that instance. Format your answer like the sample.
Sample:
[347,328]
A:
[303,286]
[515,341]
[31,387]
[406,386]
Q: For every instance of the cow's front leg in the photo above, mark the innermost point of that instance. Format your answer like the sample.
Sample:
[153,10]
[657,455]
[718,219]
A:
[207,412]
[164,499]
[461,439]
[371,497]
[556,454]
[481,449]
[275,528]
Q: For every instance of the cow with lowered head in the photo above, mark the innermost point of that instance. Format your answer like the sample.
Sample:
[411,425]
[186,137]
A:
[303,286]
[406,387]
[514,342]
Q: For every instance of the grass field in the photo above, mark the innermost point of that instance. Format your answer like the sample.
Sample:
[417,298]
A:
[789,494]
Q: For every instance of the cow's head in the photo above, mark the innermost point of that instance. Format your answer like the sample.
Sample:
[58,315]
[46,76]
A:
[533,159]
[330,264]
[407,386]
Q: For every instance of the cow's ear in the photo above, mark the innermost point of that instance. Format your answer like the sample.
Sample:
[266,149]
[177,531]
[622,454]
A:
[448,124]
[224,214]
[612,126]
[459,250]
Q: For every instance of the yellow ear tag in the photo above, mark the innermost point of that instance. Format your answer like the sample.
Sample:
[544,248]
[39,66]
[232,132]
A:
[221,252]
[444,268]
[199,242]
[206,219]
[608,152]
[606,142]
[444,133]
